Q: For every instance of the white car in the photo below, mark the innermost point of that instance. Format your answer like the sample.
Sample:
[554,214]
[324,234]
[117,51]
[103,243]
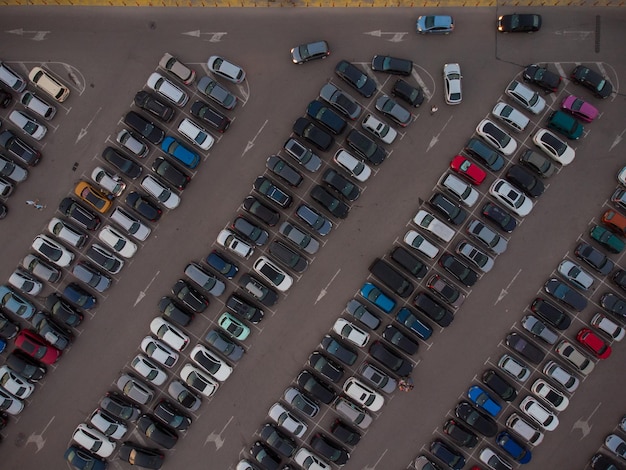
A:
[162,193]
[135,389]
[220,66]
[460,189]
[510,116]
[286,420]
[9,403]
[379,129]
[511,197]
[308,460]
[136,228]
[421,244]
[44,80]
[108,182]
[496,137]
[452,83]
[478,258]
[93,441]
[38,106]
[52,251]
[177,68]
[232,242]
[198,380]
[567,351]
[107,425]
[493,460]
[127,140]
[66,232]
[429,222]
[514,368]
[561,376]
[553,397]
[12,171]
[10,78]
[528,98]
[28,125]
[539,413]
[210,362]
[196,134]
[554,147]
[608,326]
[273,274]
[169,334]
[159,351]
[575,274]
[15,384]
[167,89]
[25,282]
[148,369]
[616,445]
[363,394]
[351,332]
[118,242]
[355,167]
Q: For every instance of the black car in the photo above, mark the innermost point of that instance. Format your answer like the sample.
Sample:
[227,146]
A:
[62,311]
[81,458]
[341,184]
[409,262]
[499,216]
[141,456]
[261,211]
[29,368]
[174,313]
[594,258]
[193,299]
[499,385]
[312,133]
[551,313]
[619,278]
[538,163]
[273,192]
[244,308]
[251,231]
[592,80]
[355,77]
[525,347]
[316,388]
[566,294]
[146,129]
[84,217]
[326,117]
[460,434]
[385,63]
[161,434]
[154,106]
[614,304]
[390,277]
[400,340]
[602,462]
[257,289]
[541,77]
[265,456]
[170,173]
[58,336]
[5,98]
[314,219]
[413,95]
[329,202]
[19,149]
[288,257]
[477,420]
[519,23]
[284,170]
[433,309]
[169,414]
[281,443]
[390,359]
[124,164]
[366,147]
[8,329]
[344,433]
[444,289]
[119,406]
[325,366]
[327,448]
[447,454]
[143,206]
[210,115]
[458,269]
[339,350]
[447,207]
[523,179]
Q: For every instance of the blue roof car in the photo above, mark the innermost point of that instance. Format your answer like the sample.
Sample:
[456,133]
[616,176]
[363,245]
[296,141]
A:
[512,447]
[174,148]
[435,24]
[378,297]
[222,264]
[413,323]
[483,400]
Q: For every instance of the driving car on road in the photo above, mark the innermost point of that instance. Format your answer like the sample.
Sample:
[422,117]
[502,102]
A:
[519,23]
[310,51]
[434,24]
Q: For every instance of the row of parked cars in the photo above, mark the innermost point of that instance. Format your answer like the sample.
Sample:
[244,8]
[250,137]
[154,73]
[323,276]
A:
[615,443]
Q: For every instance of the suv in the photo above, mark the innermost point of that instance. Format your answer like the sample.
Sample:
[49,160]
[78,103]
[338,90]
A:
[352,413]
[409,262]
[565,124]
[19,149]
[366,147]
[391,278]
[258,290]
[459,189]
[38,106]
[303,155]
[313,219]
[150,103]
[210,115]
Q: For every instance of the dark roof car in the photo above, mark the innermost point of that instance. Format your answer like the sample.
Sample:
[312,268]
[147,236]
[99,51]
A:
[413,95]
[19,149]
[414,323]
[28,367]
[400,340]
[305,128]
[313,219]
[266,457]
[329,202]
[8,329]
[329,450]
[261,211]
[78,296]
[80,458]
[366,147]
[281,443]
[619,278]
[328,368]
[75,211]
[341,185]
[5,98]
[594,258]
[303,155]
[344,433]
[170,173]
[284,170]
[355,77]
[477,420]
[607,239]
[614,304]
[537,162]
[342,101]
[391,278]
[104,258]
[251,231]
[121,162]
[385,63]
[339,350]
[525,347]
[433,309]
[458,269]
[210,115]
[362,314]
[551,313]
[273,192]
[161,434]
[244,308]
[561,291]
[310,51]
[525,180]
[147,129]
[222,264]
[513,448]
[141,456]
[499,385]
[63,311]
[519,23]
[288,257]
[257,289]
[480,151]
[602,462]
[448,208]
[499,216]
[120,407]
[143,206]
[326,117]
[592,80]
[409,262]
[445,290]
[447,454]
[169,414]
[153,105]
[460,434]
[394,111]
[217,92]
[88,274]
[541,77]
[316,387]
[189,296]
[390,359]
[224,345]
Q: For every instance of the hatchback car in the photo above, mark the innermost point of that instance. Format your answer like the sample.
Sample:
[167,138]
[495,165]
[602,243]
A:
[45,81]
[376,296]
[446,290]
[126,165]
[169,334]
[53,251]
[316,387]
[561,291]
[575,275]
[135,389]
[592,80]
[470,171]
[411,94]
[356,78]
[477,420]
[169,414]
[183,396]
[499,385]
[526,97]
[339,350]
[551,313]
[579,108]
[224,345]
[510,116]
[366,147]
[303,155]
[257,289]
[284,171]
[244,308]
[222,264]
[390,359]
[19,149]
[12,171]
[616,445]
[180,153]
[82,458]
[226,69]
[299,237]
[10,78]
[189,296]
[448,208]
[525,180]
[159,351]
[561,376]
[447,454]
[37,347]
[458,269]
[460,434]
[409,262]
[269,271]
[434,24]
[147,129]
[362,314]
[400,340]
[301,402]
[350,332]
[63,311]
[96,198]
[143,206]
[93,440]
[553,397]
[394,111]
[539,329]
[313,219]
[542,77]
[593,343]
[379,129]
[310,51]
[579,360]
[475,256]
[539,413]
[177,68]
[212,89]
[493,460]
[514,367]
[114,239]
[340,100]
[210,116]
[287,420]
[511,197]
[538,163]
[483,400]
[312,133]
[526,348]
[519,23]
[198,380]
[608,326]
[154,106]
[452,83]
[261,211]
[111,183]
[25,282]
[485,154]
[273,192]
[594,258]
[325,366]
[148,370]
[288,257]
[28,125]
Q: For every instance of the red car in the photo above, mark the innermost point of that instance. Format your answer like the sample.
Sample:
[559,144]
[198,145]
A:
[467,169]
[35,346]
[593,343]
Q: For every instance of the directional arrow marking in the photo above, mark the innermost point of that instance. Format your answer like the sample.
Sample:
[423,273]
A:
[83,131]
[435,138]
[395,36]
[215,36]
[505,291]
[250,143]
[37,35]
[325,289]
[617,140]
[216,437]
[142,293]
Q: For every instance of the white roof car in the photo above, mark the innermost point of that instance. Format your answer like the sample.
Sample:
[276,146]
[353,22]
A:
[11,78]
[567,350]
[28,125]
[127,140]
[616,445]
[351,332]
[309,461]
[25,282]
[379,129]
[116,240]
[575,274]
[429,222]
[107,424]
[108,182]
[510,116]
[561,376]
[232,242]
[162,193]
[228,70]
[493,460]
[459,188]
[196,134]
[452,83]
[159,351]
[148,369]
[210,362]
[177,68]
[273,274]
[353,413]
[12,170]
[9,403]
[528,98]
[130,223]
[421,244]
[608,326]
[135,389]
[15,384]
[539,413]
[554,147]
[514,368]
[525,430]
[496,137]
[67,232]
[38,106]
[488,237]
[6,187]
[511,197]
[44,80]
[363,394]
[53,251]
[93,440]
[198,380]
[553,397]
[286,420]
[169,334]
[477,257]
[355,167]
[167,89]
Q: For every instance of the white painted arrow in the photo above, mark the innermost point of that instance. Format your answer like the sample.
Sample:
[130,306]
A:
[505,291]
[250,143]
[617,140]
[38,35]
[582,34]
[435,138]
[324,291]
[83,131]
[216,437]
[142,293]
[215,36]
[583,424]
[373,467]
[395,36]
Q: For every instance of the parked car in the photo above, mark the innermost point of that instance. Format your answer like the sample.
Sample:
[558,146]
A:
[526,348]
[538,163]
[592,80]
[513,118]
[147,129]
[126,165]
[153,105]
[313,219]
[593,343]
[19,149]
[511,197]
[261,211]
[210,116]
[143,206]
[177,68]
[561,291]
[554,147]
[379,129]
[575,275]
[212,89]
[526,97]
[356,78]
[167,89]
[340,100]
[523,179]
[325,366]
[411,94]
[447,454]
[594,258]
[226,69]
[579,108]
[539,329]
[551,313]
[366,147]
[477,420]
[582,363]
[324,115]
[539,413]
[284,171]
[394,111]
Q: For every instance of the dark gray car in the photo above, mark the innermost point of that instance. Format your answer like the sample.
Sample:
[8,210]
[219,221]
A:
[314,219]
[88,274]
[288,257]
[361,313]
[251,231]
[224,345]
[377,377]
[284,170]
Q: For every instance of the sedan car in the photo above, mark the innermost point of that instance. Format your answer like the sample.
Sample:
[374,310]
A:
[143,206]
[63,311]
[198,380]
[224,345]
[519,23]
[493,460]
[189,296]
[510,116]
[476,420]
[526,97]
[159,351]
[111,183]
[400,340]
[148,369]
[554,147]
[126,165]
[15,384]
[53,251]
[314,134]
[153,105]
[525,180]
[329,202]
[37,347]
[434,24]
[575,275]
[511,197]
[614,304]
[78,296]
[284,171]
[483,400]
[470,171]
[538,163]
[594,258]
[446,290]
[314,219]
[475,256]
[539,329]
[310,51]
[258,290]
[169,334]
[490,239]
[581,361]
[496,137]
[93,440]
[261,211]
[301,402]
[114,239]
[217,92]
[147,129]
[579,108]
[452,83]
[226,69]
[378,129]
[458,269]
[351,332]
[592,80]
[325,366]
[83,459]
[328,118]
[561,291]
[413,95]
[185,397]
[339,350]
[356,78]
[542,77]
[141,456]
[135,389]
[448,208]
[287,420]
[340,100]
[15,303]
[526,348]
[499,385]
[390,108]
[169,414]
[299,237]
[447,454]
[390,359]
[170,173]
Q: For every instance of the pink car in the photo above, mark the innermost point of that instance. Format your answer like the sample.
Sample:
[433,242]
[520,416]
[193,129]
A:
[579,108]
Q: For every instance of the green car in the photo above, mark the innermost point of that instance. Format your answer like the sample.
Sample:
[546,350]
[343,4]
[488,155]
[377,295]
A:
[607,239]
[233,326]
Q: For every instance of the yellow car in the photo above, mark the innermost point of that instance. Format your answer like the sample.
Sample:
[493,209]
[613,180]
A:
[97,199]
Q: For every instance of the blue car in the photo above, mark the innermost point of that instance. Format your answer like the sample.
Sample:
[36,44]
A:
[222,264]
[3,345]
[15,303]
[378,297]
[413,323]
[79,296]
[174,148]
[512,447]
[483,400]
[83,459]
[434,24]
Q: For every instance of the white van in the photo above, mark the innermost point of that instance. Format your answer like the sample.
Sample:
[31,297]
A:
[196,134]
[11,79]
[527,432]
[429,222]
[37,105]
[459,188]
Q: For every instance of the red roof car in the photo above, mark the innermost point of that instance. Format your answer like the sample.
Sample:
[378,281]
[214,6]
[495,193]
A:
[467,169]
[35,346]
[593,343]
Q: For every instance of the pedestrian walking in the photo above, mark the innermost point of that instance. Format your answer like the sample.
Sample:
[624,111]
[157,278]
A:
[36,204]
[32,203]
[40,207]
[433,109]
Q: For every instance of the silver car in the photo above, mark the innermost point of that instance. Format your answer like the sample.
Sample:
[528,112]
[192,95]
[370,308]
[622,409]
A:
[41,269]
[286,420]
[206,281]
[28,125]
[488,237]
[135,389]
[510,116]
[131,143]
[539,329]
[107,424]
[12,171]
[300,238]
[575,275]
[377,377]
[528,98]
